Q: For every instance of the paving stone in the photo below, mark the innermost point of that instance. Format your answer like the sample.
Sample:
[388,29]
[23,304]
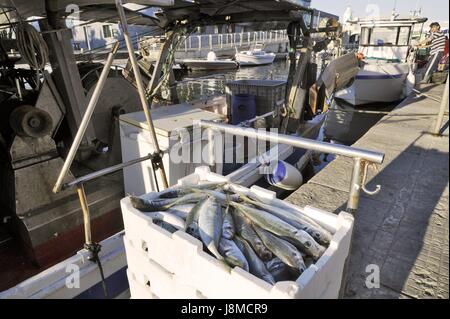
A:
[395,272]
[318,196]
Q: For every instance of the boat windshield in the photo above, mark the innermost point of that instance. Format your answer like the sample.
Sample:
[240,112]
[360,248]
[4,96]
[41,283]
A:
[386,36]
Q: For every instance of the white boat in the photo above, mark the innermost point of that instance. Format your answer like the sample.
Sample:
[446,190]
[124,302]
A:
[210,63]
[377,82]
[255,57]
[386,72]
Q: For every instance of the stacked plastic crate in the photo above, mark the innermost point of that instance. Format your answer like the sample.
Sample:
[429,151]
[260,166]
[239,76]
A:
[165,265]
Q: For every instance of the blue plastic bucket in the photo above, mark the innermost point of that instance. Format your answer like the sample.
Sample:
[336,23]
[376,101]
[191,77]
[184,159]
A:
[243,108]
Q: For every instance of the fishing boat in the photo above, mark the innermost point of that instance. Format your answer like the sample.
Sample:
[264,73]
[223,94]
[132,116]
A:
[386,46]
[386,76]
[255,57]
[210,63]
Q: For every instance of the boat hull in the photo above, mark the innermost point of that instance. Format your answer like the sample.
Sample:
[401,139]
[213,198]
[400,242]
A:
[254,60]
[384,83]
[210,65]
[346,123]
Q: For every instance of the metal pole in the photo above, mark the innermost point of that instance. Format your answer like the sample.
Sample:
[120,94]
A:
[105,171]
[299,142]
[444,106]
[355,186]
[86,214]
[140,86]
[86,119]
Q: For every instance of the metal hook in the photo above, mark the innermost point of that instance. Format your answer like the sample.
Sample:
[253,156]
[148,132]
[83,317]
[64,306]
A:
[363,187]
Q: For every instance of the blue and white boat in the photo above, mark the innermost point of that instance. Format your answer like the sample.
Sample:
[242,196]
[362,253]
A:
[386,71]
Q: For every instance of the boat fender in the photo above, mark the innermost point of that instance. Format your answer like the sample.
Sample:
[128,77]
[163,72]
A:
[283,175]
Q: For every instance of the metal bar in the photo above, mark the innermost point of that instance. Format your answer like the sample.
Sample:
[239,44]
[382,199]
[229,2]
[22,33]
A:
[298,142]
[86,214]
[444,106]
[256,118]
[355,186]
[86,119]
[140,86]
[426,95]
[105,171]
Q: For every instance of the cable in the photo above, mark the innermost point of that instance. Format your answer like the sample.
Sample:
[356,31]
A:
[32,46]
[94,249]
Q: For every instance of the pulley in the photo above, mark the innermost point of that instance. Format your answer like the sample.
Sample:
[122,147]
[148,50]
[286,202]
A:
[29,121]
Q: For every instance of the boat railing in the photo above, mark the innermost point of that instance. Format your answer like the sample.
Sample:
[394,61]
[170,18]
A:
[362,158]
[216,41]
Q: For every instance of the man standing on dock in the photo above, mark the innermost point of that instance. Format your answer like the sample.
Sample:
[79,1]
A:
[436,43]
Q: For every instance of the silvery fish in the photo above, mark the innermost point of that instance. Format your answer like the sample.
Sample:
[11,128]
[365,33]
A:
[278,269]
[232,254]
[156,205]
[317,232]
[210,225]
[282,249]
[256,265]
[191,226]
[244,229]
[181,211]
[286,208]
[178,191]
[219,195]
[228,224]
[279,227]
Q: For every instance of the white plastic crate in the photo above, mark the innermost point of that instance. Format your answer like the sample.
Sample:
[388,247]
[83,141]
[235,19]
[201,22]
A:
[154,278]
[177,261]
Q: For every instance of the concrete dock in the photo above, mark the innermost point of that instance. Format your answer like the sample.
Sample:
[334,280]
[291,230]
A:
[403,229]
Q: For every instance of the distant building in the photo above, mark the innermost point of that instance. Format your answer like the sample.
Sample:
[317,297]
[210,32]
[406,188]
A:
[102,35]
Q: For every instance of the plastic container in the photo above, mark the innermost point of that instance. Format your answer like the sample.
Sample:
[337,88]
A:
[171,123]
[270,94]
[243,108]
[175,265]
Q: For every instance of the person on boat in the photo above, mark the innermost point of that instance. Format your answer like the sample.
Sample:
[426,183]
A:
[436,42]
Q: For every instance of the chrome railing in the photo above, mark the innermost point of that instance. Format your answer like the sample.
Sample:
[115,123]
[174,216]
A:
[225,40]
[362,158]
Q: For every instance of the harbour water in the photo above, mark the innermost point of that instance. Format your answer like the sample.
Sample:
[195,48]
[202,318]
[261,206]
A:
[203,84]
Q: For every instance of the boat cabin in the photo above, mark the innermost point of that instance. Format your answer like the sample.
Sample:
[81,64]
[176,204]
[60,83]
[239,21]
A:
[388,40]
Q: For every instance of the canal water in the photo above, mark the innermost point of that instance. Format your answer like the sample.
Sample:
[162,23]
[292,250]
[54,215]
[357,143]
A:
[201,84]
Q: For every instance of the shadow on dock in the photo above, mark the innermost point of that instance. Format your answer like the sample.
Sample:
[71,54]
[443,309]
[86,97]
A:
[404,229]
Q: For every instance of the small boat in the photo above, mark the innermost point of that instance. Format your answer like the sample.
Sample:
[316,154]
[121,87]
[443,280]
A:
[385,77]
[386,72]
[210,63]
[255,57]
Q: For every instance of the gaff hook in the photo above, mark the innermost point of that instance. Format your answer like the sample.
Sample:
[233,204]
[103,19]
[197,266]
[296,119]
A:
[363,187]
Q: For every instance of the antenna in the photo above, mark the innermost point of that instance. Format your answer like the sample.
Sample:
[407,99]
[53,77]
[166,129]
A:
[394,14]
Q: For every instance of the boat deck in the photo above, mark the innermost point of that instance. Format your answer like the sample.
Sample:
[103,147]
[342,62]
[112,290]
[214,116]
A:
[404,229]
[16,266]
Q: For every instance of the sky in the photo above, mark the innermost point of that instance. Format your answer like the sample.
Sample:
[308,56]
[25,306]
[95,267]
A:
[436,10]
